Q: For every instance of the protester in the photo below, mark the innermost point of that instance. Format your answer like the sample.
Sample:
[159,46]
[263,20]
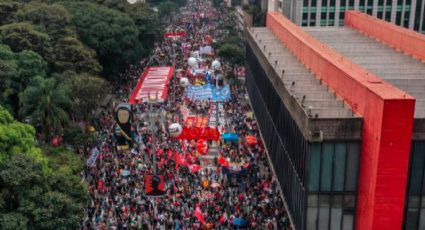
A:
[238,189]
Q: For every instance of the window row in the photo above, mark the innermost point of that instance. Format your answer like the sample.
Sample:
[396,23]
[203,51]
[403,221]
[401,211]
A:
[333,167]
[330,212]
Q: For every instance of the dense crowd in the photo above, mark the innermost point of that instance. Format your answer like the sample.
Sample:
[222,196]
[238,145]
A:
[116,180]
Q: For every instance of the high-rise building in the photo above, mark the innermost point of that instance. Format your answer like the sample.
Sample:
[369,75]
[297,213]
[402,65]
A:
[342,114]
[407,13]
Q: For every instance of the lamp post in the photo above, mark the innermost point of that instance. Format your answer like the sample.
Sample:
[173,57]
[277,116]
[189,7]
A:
[152,114]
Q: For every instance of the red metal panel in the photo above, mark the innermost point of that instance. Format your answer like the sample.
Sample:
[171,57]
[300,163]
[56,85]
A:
[407,41]
[387,126]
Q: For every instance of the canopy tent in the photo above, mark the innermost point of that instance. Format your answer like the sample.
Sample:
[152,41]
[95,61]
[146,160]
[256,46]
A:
[154,80]
[230,137]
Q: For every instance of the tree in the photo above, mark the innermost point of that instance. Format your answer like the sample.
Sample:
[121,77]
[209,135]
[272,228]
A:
[32,199]
[16,70]
[111,33]
[54,18]
[71,54]
[166,8]
[231,53]
[24,36]
[86,92]
[148,23]
[46,104]
[15,137]
[8,10]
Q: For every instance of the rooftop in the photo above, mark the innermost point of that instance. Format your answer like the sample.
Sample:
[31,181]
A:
[397,68]
[315,97]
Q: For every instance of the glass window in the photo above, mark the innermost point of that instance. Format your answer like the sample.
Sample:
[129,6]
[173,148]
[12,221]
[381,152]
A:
[398,18]
[326,167]
[422,216]
[332,16]
[336,212]
[417,168]
[312,212]
[324,205]
[353,155]
[348,212]
[348,222]
[412,213]
[351,4]
[339,167]
[314,167]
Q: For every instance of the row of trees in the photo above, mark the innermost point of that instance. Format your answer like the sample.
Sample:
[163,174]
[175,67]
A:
[57,55]
[58,59]
[40,188]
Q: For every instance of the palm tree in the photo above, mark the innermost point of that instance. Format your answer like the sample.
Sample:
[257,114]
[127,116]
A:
[46,104]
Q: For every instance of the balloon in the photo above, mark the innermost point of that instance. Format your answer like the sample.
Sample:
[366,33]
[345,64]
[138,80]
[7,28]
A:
[202,146]
[216,65]
[184,82]
[192,62]
[175,129]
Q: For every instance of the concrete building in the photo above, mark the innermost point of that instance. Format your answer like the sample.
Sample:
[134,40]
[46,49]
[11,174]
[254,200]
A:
[342,114]
[406,13]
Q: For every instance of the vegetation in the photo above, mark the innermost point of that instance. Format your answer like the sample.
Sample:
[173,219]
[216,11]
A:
[57,61]
[64,53]
[41,188]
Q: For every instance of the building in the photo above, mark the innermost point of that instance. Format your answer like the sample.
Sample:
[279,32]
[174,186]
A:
[343,118]
[407,13]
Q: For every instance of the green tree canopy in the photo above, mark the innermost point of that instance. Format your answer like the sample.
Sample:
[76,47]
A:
[167,7]
[16,70]
[46,104]
[231,53]
[111,33]
[8,11]
[54,18]
[71,54]
[86,92]
[148,23]
[24,36]
[15,137]
[31,199]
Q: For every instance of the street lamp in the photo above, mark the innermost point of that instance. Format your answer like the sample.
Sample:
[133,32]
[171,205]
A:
[152,114]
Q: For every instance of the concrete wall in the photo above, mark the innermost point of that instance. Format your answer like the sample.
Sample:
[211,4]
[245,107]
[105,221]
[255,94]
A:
[387,126]
[402,39]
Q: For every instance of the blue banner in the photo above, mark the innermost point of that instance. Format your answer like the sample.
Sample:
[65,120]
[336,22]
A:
[208,91]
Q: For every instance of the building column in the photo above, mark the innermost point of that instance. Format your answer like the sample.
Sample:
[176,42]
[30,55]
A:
[375,8]
[337,10]
[393,11]
[318,12]
[412,14]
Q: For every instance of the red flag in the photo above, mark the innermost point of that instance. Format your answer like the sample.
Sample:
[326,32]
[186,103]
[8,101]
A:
[159,152]
[178,157]
[198,214]
[223,161]
[222,219]
[169,154]
[194,168]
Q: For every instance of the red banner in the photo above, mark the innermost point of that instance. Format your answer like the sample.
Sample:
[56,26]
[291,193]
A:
[194,133]
[199,122]
[154,81]
[175,34]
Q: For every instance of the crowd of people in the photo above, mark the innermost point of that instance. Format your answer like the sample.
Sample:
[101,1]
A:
[207,197]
